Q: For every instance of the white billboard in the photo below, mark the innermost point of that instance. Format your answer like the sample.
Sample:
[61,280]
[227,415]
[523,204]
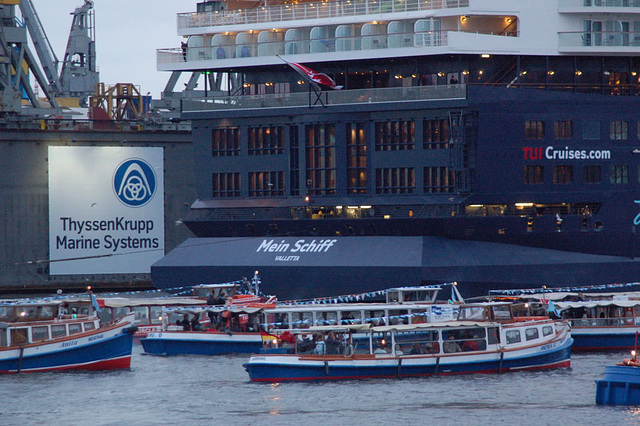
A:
[106,209]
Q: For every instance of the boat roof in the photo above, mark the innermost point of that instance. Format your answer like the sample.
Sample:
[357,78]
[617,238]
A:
[346,307]
[596,304]
[120,302]
[432,325]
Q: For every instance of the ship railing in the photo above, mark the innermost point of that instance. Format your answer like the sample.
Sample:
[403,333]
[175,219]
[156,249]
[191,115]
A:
[603,322]
[315,10]
[594,4]
[599,39]
[334,97]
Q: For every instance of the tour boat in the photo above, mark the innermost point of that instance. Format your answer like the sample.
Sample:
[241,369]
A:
[600,325]
[620,384]
[38,336]
[239,326]
[495,343]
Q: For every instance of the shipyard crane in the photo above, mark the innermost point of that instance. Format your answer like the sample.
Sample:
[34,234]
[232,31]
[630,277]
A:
[77,78]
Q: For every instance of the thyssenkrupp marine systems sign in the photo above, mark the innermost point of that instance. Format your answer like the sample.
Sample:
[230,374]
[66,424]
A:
[106,209]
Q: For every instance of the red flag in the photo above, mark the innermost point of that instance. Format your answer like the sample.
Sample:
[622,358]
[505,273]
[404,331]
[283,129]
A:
[313,76]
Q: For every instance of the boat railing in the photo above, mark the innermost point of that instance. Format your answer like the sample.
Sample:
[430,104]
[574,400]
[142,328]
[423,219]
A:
[603,322]
[334,97]
[308,10]
[599,38]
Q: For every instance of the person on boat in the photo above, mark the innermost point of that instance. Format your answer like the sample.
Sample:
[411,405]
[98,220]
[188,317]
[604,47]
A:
[450,345]
[416,349]
[382,348]
[470,345]
[212,299]
[185,323]
[320,348]
[333,344]
[222,299]
[195,323]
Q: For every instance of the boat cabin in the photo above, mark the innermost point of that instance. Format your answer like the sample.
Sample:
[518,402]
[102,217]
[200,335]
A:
[22,324]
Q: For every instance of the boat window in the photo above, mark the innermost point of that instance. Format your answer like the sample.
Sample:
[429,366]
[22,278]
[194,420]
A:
[417,342]
[120,312]
[419,317]
[493,336]
[302,320]
[327,318]
[141,314]
[40,333]
[44,312]
[75,328]
[501,312]
[381,343]
[6,313]
[374,317]
[18,336]
[547,330]
[473,313]
[398,316]
[513,336]
[156,314]
[350,317]
[105,315]
[3,338]
[531,333]
[58,331]
[89,326]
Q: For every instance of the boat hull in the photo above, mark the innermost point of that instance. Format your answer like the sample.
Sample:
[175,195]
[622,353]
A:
[620,385]
[294,368]
[603,339]
[201,343]
[103,350]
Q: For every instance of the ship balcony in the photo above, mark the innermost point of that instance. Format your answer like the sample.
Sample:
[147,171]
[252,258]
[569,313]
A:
[599,6]
[596,42]
[292,15]
[329,98]
[250,52]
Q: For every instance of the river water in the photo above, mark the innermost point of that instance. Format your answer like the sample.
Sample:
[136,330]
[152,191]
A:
[216,391]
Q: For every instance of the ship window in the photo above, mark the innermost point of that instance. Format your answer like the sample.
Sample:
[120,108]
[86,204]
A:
[226,184]
[294,161]
[395,180]
[394,135]
[226,142]
[266,184]
[563,129]
[513,336]
[619,174]
[618,130]
[89,326]
[58,331]
[531,333]
[3,338]
[591,174]
[356,158]
[19,336]
[438,179]
[266,140]
[547,330]
[435,134]
[591,130]
[533,175]
[534,129]
[321,158]
[562,175]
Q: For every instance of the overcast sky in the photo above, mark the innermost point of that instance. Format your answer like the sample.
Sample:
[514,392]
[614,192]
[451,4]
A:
[128,32]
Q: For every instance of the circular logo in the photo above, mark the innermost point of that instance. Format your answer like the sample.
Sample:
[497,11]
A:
[134,182]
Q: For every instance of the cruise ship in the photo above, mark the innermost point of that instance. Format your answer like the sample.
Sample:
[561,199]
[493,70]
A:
[491,143]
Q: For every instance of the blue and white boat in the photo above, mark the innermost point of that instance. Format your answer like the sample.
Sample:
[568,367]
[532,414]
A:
[494,344]
[602,325]
[240,325]
[52,336]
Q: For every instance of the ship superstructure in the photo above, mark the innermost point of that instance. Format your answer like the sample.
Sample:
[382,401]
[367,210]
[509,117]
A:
[494,143]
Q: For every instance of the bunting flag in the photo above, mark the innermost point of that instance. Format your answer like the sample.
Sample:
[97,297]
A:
[313,76]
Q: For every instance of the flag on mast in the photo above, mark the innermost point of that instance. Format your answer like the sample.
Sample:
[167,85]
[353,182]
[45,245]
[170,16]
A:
[312,76]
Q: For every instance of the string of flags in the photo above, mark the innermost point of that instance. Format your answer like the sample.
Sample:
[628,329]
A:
[577,289]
